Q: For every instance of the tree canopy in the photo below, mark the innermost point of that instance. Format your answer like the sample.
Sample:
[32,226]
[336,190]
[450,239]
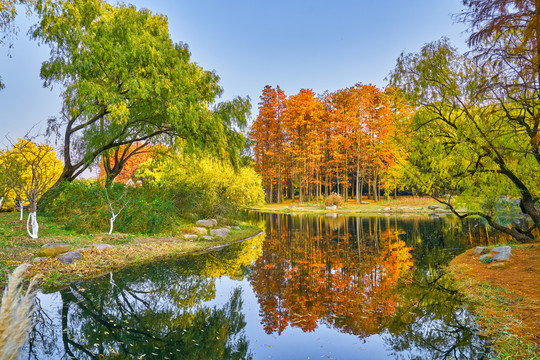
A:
[124,81]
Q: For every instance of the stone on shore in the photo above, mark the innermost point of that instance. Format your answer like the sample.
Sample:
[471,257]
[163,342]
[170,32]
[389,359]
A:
[433,207]
[198,230]
[502,253]
[49,250]
[101,247]
[206,237]
[69,257]
[207,223]
[190,237]
[333,207]
[479,250]
[223,232]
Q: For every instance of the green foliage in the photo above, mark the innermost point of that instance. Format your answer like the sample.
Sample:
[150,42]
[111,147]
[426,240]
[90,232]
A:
[334,199]
[466,142]
[215,187]
[81,206]
[125,81]
[488,260]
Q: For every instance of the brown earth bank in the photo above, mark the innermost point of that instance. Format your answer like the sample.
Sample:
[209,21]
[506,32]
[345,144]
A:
[505,298]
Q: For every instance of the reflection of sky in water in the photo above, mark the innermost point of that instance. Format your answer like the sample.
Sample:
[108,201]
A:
[169,287]
[293,343]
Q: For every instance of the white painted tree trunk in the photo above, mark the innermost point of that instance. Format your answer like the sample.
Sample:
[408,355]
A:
[35,227]
[113,217]
[22,208]
[1,201]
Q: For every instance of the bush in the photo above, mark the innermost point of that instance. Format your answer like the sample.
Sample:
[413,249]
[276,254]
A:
[81,206]
[334,199]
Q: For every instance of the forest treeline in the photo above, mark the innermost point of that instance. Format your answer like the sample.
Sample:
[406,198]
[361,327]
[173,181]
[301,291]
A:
[344,142]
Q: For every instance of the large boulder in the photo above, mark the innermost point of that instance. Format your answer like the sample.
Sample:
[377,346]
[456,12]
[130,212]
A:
[501,253]
[69,257]
[49,250]
[198,230]
[433,207]
[332,207]
[207,223]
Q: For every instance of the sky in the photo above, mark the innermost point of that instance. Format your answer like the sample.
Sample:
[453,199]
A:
[319,45]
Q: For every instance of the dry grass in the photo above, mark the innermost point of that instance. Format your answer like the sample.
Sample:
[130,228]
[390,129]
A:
[139,250]
[506,300]
[15,314]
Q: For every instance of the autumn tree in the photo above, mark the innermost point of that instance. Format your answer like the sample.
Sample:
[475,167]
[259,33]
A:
[125,81]
[121,163]
[301,122]
[32,169]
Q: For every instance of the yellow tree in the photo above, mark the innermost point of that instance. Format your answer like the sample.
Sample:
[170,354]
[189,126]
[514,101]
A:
[31,170]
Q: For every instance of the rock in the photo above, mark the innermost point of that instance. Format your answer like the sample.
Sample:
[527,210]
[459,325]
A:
[223,232]
[333,207]
[190,237]
[54,249]
[198,230]
[387,209]
[501,253]
[206,237]
[485,256]
[433,207]
[84,249]
[69,257]
[101,247]
[236,228]
[37,259]
[364,202]
[516,202]
[479,250]
[496,265]
[207,223]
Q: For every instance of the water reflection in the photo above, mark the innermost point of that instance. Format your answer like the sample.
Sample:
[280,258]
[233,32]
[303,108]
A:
[366,276]
[156,311]
[374,279]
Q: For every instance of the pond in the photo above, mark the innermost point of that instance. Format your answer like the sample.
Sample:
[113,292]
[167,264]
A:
[312,287]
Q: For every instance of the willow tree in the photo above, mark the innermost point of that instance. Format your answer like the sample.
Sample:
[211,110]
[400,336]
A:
[475,132]
[124,81]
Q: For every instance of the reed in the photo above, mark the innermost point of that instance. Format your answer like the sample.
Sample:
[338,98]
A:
[16,314]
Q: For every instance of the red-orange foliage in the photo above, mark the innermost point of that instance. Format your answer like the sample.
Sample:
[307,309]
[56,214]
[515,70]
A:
[125,160]
[333,143]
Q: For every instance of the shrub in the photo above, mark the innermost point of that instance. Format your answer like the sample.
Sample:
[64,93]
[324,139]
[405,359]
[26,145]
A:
[334,199]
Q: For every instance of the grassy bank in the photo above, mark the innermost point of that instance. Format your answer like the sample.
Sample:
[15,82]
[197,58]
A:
[405,204]
[506,300]
[17,247]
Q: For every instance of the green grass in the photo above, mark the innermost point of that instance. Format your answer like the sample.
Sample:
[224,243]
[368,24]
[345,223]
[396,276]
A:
[16,247]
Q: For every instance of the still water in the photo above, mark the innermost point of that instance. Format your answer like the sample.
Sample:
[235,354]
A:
[311,287]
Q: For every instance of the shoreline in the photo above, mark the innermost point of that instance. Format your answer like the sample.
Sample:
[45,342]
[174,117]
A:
[124,250]
[504,298]
[94,263]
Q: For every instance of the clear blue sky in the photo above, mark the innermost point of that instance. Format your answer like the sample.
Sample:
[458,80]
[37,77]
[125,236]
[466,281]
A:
[321,45]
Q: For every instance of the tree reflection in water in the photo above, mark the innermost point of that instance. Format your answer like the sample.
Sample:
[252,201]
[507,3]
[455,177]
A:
[357,276]
[374,278]
[161,317]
